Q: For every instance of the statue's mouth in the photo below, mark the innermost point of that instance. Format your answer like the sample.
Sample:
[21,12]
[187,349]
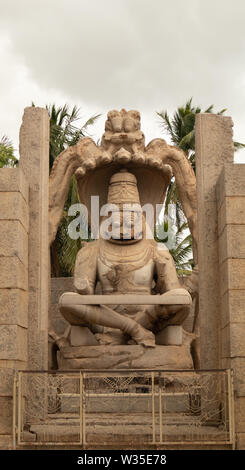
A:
[127,239]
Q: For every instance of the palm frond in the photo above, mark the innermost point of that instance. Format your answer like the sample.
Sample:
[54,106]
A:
[238,146]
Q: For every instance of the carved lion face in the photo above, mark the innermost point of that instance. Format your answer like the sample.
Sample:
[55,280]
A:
[124,227]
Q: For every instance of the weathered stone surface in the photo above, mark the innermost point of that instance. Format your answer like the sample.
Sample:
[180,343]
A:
[232,242]
[232,307]
[82,336]
[240,441]
[237,335]
[214,139]
[12,364]
[232,275]
[214,148]
[225,342]
[171,335]
[230,182]
[231,211]
[126,404]
[6,442]
[125,357]
[14,207]
[14,240]
[13,342]
[6,382]
[13,307]
[13,273]
[59,285]
[58,323]
[173,297]
[238,366]
[34,162]
[240,414]
[14,180]
[5,415]
[233,344]
[224,310]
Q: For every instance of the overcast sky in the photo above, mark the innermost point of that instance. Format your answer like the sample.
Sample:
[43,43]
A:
[108,54]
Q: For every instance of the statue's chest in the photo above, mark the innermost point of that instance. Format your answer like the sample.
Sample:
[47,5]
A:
[116,276]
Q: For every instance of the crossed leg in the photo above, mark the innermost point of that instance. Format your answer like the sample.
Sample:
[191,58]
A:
[105,316]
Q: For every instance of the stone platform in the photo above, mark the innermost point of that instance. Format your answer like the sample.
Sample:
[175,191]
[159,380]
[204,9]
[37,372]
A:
[125,357]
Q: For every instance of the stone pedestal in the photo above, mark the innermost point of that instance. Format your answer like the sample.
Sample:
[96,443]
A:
[126,357]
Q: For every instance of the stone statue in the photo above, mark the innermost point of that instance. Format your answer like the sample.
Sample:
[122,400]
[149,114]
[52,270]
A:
[125,266]
[128,293]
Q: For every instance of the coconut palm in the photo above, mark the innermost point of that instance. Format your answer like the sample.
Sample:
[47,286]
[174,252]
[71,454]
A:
[7,157]
[181,250]
[181,129]
[64,133]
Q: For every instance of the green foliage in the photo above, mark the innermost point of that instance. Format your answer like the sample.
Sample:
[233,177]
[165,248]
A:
[64,132]
[183,247]
[7,157]
[181,129]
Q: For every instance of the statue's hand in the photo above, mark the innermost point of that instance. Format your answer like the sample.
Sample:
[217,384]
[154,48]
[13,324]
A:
[83,286]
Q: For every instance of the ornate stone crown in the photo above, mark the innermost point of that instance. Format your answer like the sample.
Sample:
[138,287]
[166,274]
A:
[123,189]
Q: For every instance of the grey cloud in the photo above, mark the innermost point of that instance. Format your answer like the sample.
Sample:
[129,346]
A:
[133,53]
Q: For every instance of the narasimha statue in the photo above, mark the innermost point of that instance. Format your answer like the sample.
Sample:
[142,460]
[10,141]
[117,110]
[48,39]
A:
[128,300]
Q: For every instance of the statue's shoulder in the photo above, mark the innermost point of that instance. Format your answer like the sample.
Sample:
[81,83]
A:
[89,250]
[161,252]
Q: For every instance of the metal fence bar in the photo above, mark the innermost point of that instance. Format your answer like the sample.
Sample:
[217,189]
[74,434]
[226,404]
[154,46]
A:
[14,411]
[160,405]
[81,408]
[19,407]
[153,407]
[231,408]
[180,423]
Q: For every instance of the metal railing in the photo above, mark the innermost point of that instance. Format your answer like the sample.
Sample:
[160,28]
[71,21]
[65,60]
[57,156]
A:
[123,408]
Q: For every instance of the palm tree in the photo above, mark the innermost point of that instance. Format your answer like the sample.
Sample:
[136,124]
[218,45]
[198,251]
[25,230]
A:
[64,133]
[182,249]
[181,129]
[7,157]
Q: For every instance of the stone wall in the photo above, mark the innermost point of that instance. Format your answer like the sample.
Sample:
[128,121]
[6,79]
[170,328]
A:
[14,228]
[214,149]
[24,262]
[34,162]
[231,241]
[59,285]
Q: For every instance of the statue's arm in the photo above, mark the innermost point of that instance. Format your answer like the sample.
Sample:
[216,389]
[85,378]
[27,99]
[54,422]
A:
[85,272]
[166,274]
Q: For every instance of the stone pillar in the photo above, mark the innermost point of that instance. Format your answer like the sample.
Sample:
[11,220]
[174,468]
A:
[14,226]
[34,161]
[231,229]
[214,148]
